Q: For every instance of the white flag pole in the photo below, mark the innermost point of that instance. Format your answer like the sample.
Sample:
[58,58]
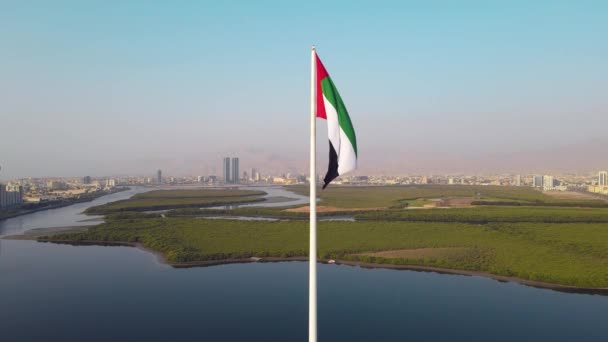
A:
[312,255]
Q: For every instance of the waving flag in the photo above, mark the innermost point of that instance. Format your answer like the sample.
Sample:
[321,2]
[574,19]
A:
[342,140]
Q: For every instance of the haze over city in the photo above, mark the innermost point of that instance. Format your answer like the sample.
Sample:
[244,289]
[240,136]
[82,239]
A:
[158,176]
[88,89]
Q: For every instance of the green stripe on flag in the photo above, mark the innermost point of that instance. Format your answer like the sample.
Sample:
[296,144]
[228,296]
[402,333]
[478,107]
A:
[331,94]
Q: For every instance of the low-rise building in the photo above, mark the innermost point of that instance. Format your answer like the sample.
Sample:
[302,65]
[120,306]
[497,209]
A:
[598,189]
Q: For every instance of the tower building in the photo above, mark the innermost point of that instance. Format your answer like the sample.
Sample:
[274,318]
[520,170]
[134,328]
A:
[602,179]
[235,171]
[226,171]
[548,181]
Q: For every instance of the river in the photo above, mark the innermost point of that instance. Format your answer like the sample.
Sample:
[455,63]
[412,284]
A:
[51,292]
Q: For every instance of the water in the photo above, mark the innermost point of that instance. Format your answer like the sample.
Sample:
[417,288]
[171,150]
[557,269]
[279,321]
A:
[63,293]
[54,292]
[239,218]
[257,218]
[62,217]
[271,192]
[73,215]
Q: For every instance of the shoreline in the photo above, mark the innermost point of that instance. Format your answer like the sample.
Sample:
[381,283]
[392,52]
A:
[101,212]
[61,204]
[603,291]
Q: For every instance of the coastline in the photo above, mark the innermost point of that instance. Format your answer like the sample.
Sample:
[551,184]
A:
[446,271]
[61,204]
[416,268]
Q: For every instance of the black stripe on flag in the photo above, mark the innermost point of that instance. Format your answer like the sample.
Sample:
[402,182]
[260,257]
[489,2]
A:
[332,169]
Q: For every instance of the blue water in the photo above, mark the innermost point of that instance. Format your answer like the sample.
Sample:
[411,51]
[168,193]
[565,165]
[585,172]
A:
[54,292]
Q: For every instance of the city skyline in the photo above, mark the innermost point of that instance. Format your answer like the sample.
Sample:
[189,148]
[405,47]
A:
[204,172]
[503,86]
[184,170]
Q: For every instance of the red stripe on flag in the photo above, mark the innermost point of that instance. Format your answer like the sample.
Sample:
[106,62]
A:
[321,74]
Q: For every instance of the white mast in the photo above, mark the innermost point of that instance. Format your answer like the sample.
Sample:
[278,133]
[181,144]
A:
[312,255]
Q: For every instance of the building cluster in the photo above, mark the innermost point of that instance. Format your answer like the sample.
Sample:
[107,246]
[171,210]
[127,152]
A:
[542,182]
[10,196]
[601,186]
[43,190]
[38,190]
[548,183]
[231,173]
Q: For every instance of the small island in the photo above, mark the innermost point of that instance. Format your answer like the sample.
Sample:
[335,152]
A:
[508,233]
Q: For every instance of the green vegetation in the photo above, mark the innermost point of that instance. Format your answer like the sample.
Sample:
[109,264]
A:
[172,199]
[554,203]
[395,196]
[479,215]
[248,211]
[571,254]
[520,232]
[484,215]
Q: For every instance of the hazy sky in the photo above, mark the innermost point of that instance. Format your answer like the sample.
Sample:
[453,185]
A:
[117,87]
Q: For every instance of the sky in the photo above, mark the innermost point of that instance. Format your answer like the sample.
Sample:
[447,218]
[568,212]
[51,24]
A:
[126,87]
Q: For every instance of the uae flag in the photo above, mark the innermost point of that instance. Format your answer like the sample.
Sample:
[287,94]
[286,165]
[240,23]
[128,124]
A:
[342,140]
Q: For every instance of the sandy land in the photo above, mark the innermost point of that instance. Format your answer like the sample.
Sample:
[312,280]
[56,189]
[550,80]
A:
[329,209]
[458,202]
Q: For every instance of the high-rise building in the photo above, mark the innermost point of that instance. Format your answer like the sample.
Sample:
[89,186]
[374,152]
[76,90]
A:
[517,181]
[548,181]
[226,170]
[537,181]
[86,180]
[159,177]
[235,171]
[602,179]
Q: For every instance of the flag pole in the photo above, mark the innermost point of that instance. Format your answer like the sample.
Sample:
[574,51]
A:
[312,255]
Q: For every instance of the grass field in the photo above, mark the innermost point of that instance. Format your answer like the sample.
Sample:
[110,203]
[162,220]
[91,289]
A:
[398,196]
[173,199]
[570,254]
